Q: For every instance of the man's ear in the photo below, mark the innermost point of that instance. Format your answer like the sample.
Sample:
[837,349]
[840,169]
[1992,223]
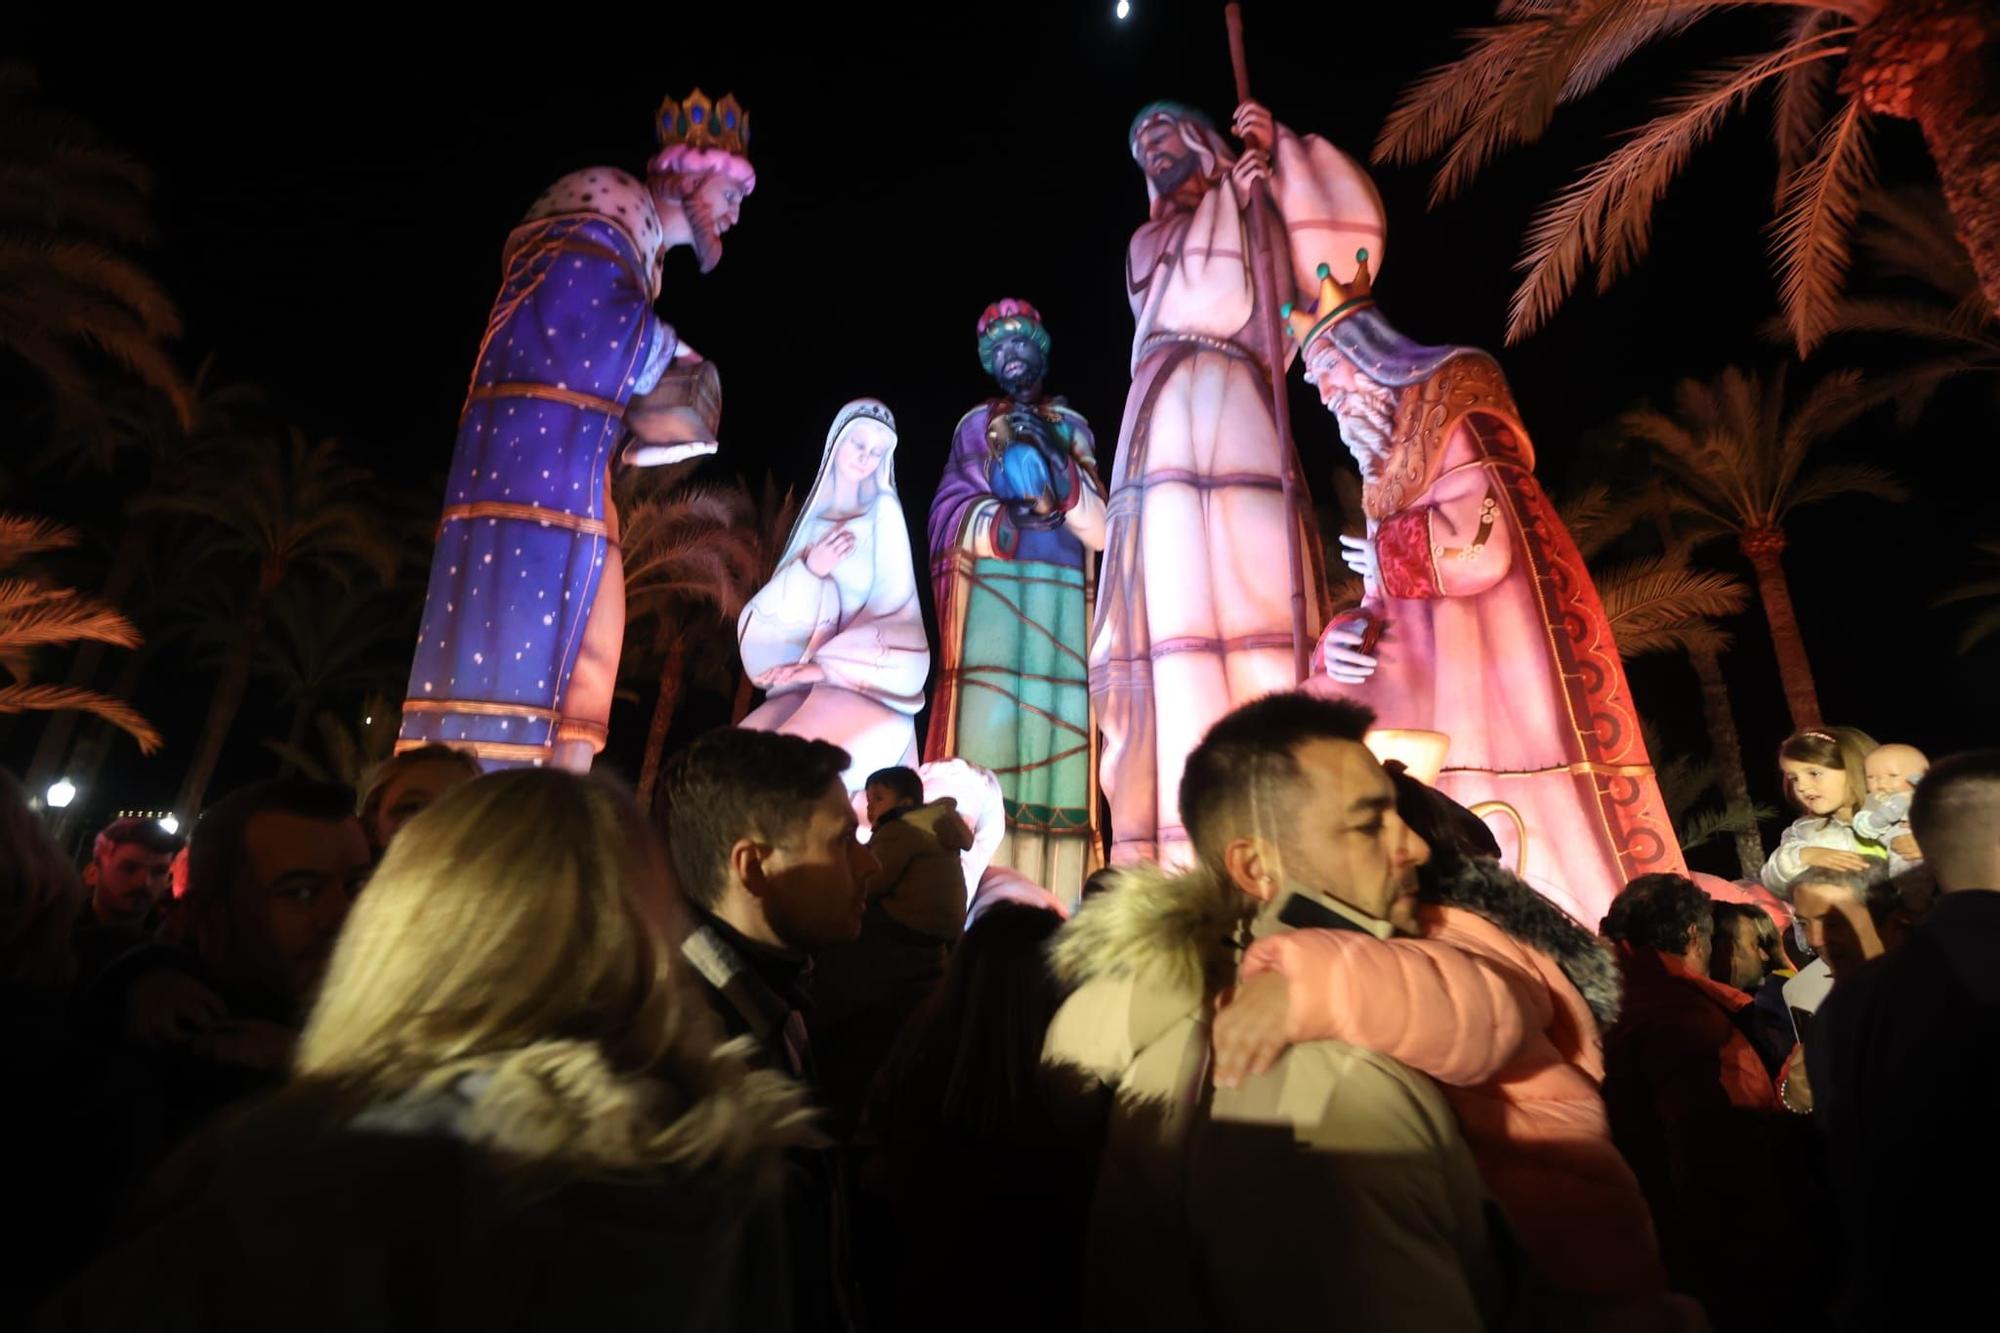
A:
[1252,866]
[90,874]
[746,865]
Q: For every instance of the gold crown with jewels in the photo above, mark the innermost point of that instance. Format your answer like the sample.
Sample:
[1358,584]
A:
[698,123]
[1337,300]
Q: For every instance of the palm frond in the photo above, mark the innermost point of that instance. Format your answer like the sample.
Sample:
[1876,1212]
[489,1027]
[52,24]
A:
[1606,216]
[63,698]
[1661,590]
[1683,779]
[1705,826]
[1614,43]
[1833,480]
[61,618]
[1693,637]
[1583,514]
[1915,319]
[1800,112]
[22,536]
[1441,103]
[1814,230]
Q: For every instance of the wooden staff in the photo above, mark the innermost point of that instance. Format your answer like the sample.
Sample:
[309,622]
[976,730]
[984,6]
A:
[1268,300]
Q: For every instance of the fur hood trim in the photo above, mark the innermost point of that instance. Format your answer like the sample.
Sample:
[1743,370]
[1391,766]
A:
[1492,892]
[1179,929]
[562,1105]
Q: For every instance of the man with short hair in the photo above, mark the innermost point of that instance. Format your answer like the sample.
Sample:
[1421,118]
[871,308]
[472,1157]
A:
[762,836]
[1691,1103]
[128,882]
[127,874]
[272,870]
[204,1023]
[1902,1057]
[1335,1153]
[1844,913]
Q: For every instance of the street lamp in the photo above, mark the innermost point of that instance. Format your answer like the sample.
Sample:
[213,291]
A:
[1124,10]
[61,792]
[170,824]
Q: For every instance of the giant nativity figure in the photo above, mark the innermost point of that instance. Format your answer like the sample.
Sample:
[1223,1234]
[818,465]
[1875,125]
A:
[525,614]
[1014,531]
[1478,620]
[1212,568]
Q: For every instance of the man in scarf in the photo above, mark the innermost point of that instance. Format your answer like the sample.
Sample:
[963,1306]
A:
[1478,618]
[1013,532]
[525,615]
[1208,515]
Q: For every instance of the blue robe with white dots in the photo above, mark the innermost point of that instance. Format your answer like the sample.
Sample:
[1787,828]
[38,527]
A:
[521,547]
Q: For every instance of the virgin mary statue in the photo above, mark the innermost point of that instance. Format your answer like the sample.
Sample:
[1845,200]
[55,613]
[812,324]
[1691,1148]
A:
[836,638]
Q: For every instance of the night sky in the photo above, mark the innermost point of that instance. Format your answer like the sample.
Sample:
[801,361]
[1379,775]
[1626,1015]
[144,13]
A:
[334,202]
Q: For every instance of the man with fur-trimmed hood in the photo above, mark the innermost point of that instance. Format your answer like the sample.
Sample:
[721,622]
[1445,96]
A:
[1335,1186]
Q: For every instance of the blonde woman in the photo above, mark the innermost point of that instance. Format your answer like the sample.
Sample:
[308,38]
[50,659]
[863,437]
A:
[504,1111]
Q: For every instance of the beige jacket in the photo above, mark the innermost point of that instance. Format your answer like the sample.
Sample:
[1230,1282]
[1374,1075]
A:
[921,884]
[1333,1191]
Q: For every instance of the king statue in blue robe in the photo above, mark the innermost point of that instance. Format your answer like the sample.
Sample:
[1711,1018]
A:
[525,613]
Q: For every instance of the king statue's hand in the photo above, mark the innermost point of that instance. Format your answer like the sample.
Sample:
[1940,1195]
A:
[1358,553]
[1339,653]
[641,454]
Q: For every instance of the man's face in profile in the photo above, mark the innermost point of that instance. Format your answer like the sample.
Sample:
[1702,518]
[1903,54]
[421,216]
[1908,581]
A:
[1346,840]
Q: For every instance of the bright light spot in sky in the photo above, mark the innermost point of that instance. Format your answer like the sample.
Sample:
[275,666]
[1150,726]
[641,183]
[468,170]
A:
[1124,9]
[61,792]
[170,824]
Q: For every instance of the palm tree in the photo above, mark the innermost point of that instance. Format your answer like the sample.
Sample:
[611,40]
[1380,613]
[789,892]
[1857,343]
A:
[333,638]
[1983,586]
[132,432]
[70,210]
[775,511]
[1736,460]
[1662,603]
[278,512]
[1833,66]
[1684,780]
[350,746]
[35,614]
[688,551]
[1936,306]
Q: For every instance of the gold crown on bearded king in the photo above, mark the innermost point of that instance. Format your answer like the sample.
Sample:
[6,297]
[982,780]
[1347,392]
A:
[699,123]
[1337,300]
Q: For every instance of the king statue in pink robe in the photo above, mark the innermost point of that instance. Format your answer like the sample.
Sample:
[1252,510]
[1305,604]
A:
[1212,568]
[1478,618]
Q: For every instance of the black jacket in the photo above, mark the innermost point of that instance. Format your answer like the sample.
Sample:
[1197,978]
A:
[1906,1086]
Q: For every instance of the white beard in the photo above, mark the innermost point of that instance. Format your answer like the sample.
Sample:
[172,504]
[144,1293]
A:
[1367,421]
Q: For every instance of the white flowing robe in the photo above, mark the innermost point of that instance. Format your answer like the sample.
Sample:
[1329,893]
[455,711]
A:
[1195,598]
[862,625]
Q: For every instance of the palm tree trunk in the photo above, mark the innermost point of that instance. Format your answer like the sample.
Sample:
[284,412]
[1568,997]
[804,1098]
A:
[1934,62]
[1764,546]
[1726,748]
[225,702]
[668,700]
[53,750]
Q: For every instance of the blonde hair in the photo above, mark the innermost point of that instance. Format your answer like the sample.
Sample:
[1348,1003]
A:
[518,929]
[1833,747]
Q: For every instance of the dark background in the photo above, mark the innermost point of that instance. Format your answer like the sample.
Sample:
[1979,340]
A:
[334,188]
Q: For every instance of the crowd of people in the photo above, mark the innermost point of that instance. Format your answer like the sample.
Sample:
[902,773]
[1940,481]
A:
[504,1050]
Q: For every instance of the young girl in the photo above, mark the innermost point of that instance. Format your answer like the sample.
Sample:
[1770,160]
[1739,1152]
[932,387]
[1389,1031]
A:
[1825,777]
